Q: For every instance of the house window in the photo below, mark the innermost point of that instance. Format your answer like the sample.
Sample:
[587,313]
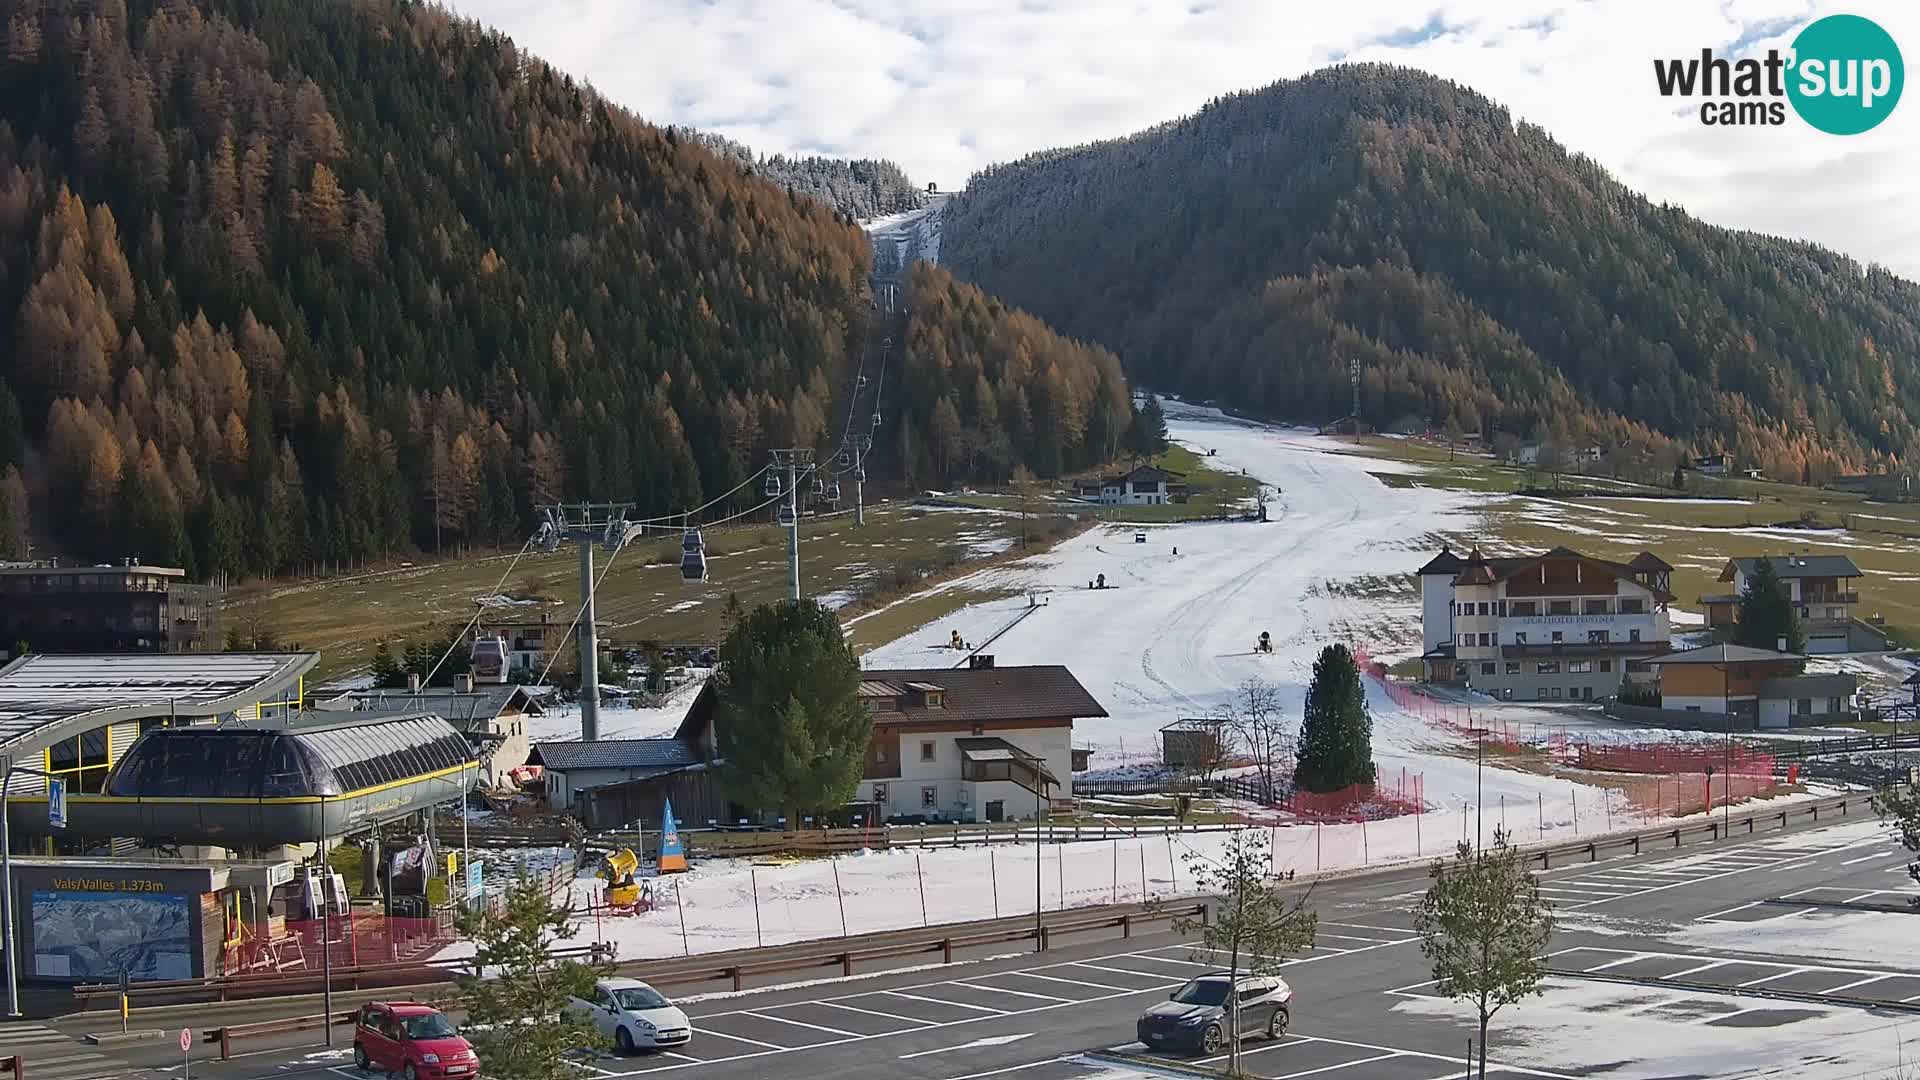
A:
[1803,706]
[1546,667]
[1833,704]
[1558,637]
[1486,640]
[1466,639]
[936,699]
[1579,667]
[1513,667]
[1559,607]
[926,750]
[880,755]
[1556,693]
[1525,607]
[1693,708]
[1486,668]
[929,797]
[1606,665]
[1598,637]
[1633,635]
[879,793]
[1632,606]
[1597,607]
[1483,608]
[1519,637]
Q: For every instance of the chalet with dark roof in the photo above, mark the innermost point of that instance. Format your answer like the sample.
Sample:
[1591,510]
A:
[1822,587]
[1556,626]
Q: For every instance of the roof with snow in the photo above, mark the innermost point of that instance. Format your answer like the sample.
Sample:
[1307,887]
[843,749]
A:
[1795,566]
[1444,563]
[615,754]
[1724,654]
[458,707]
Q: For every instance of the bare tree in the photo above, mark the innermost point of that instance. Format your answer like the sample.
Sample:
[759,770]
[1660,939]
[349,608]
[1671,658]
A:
[1255,717]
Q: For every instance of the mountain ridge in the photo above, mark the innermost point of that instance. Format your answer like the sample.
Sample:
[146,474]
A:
[1670,333]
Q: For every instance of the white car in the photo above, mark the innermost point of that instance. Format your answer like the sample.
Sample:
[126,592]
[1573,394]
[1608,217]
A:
[634,1015]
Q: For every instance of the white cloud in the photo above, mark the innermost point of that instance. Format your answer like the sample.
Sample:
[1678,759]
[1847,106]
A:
[946,87]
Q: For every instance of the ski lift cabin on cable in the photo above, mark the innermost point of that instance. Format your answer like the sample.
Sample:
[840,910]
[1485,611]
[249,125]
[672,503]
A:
[693,557]
[772,487]
[786,515]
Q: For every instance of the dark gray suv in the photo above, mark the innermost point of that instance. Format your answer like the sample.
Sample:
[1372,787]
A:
[1194,1017]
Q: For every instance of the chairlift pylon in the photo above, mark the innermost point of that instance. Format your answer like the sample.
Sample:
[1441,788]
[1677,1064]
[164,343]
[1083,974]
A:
[693,557]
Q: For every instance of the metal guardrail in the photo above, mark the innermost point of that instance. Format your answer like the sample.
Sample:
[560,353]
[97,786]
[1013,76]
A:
[1802,749]
[1844,805]
[14,1066]
[232,1033]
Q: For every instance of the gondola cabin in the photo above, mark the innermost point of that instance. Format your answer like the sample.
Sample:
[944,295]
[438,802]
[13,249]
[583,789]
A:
[489,659]
[693,557]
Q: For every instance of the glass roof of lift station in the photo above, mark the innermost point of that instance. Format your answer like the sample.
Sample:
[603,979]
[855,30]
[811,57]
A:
[332,758]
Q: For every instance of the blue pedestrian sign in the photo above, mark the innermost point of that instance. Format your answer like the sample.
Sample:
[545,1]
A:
[56,803]
[476,882]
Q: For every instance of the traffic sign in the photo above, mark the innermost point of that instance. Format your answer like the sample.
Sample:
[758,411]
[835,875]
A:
[186,1039]
[57,803]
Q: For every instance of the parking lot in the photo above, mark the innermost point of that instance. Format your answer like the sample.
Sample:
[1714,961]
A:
[724,1034]
[1623,878]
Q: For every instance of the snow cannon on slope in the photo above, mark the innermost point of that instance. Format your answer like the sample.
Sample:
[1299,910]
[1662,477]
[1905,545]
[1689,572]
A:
[1265,644]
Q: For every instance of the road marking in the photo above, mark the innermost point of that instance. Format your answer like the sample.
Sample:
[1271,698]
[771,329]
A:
[1635,958]
[941,1001]
[990,1040]
[1775,975]
[1079,982]
[1332,1068]
[801,1023]
[1869,858]
[876,1012]
[1171,960]
[1008,1069]
[1364,926]
[1004,990]
[1390,1051]
[1119,971]
[1352,937]
[1702,967]
[710,1033]
[1854,983]
[682,1057]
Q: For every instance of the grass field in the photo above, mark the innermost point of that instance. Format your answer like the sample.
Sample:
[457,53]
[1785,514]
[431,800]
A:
[1718,520]
[1212,492]
[642,595]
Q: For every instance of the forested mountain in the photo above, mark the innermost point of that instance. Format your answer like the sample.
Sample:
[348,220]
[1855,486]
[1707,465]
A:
[986,391]
[863,189]
[1475,269]
[286,282]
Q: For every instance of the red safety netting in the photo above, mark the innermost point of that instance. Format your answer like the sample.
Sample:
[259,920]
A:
[354,941]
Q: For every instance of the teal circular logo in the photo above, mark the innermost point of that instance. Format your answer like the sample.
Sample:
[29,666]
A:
[1846,75]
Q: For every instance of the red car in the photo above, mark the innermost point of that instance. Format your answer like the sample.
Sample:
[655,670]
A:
[413,1040]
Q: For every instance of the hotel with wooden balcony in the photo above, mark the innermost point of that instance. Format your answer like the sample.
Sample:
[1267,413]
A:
[1559,626]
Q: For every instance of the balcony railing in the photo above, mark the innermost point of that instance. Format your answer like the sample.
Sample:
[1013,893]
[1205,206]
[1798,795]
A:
[1830,598]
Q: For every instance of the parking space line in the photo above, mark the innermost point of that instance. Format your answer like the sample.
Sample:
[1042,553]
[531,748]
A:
[800,1023]
[942,1001]
[1331,1068]
[1775,975]
[876,1012]
[1350,937]
[1004,990]
[1715,915]
[1080,982]
[1168,960]
[1702,967]
[1007,1069]
[1616,963]
[1854,983]
[1364,926]
[1390,1051]
[1119,971]
[1869,858]
[712,1034]
[682,1057]
[1862,896]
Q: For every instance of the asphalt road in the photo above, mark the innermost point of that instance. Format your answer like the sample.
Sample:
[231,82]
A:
[1362,1009]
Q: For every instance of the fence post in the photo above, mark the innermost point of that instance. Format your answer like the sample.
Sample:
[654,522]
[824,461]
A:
[1116,871]
[1366,855]
[753,879]
[680,905]
[226,1043]
[918,874]
[993,875]
[1144,892]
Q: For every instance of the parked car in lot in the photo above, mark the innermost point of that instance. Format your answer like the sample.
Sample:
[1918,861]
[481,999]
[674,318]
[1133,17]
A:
[634,1015]
[414,1040]
[1194,1017]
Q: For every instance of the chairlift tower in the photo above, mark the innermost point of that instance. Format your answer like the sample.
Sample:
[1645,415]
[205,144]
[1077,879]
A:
[793,460]
[586,524]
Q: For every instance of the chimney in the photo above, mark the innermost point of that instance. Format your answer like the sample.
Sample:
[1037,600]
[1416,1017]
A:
[413,682]
[463,682]
[980,661]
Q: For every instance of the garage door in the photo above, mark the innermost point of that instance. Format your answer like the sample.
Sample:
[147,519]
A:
[1833,643]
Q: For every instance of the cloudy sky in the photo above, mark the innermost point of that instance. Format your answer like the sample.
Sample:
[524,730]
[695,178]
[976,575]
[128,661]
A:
[945,87]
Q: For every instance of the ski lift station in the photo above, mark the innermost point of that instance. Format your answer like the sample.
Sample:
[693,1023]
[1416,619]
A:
[180,794]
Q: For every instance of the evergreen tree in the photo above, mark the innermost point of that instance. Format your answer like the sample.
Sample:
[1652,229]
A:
[1147,435]
[517,1012]
[1336,731]
[1767,615]
[790,723]
[386,671]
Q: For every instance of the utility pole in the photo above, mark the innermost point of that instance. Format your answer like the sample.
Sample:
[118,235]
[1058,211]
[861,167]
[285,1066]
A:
[584,524]
[861,445]
[793,460]
[1353,373]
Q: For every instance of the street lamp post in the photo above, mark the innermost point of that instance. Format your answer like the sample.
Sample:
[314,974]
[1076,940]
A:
[1039,936]
[1479,769]
[326,926]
